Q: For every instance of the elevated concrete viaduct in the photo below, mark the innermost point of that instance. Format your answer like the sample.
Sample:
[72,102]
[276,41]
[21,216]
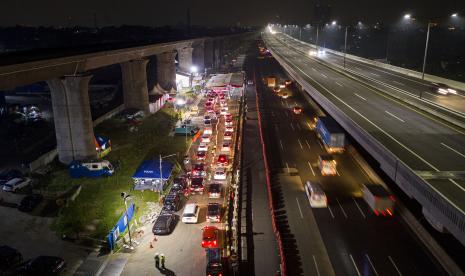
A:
[68,79]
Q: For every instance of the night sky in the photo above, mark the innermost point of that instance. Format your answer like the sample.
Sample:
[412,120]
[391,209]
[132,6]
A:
[213,12]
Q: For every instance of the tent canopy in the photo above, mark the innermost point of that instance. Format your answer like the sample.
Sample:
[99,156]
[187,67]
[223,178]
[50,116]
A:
[151,169]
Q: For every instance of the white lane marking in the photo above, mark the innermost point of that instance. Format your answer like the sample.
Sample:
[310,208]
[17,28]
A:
[374,74]
[313,69]
[310,165]
[281,143]
[298,127]
[330,211]
[300,210]
[324,76]
[300,143]
[371,264]
[457,184]
[395,266]
[355,265]
[337,172]
[339,84]
[398,82]
[308,124]
[306,142]
[425,92]
[360,96]
[292,126]
[360,209]
[287,166]
[394,116]
[358,68]
[344,212]
[375,125]
[316,266]
[321,145]
[454,150]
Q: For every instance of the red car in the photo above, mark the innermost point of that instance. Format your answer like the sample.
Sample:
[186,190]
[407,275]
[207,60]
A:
[210,237]
[223,160]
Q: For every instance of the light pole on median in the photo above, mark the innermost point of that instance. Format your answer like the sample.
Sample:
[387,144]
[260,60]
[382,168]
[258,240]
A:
[426,51]
[161,174]
[345,47]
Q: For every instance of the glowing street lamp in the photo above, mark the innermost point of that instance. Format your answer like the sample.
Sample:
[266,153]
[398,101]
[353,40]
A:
[407,16]
[454,15]
[334,22]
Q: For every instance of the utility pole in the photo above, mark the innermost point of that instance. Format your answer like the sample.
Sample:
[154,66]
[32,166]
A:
[316,43]
[426,52]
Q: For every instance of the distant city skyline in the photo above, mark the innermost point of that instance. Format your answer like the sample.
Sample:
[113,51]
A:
[214,13]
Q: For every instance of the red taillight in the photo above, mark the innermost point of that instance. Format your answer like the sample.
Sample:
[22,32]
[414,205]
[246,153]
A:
[376,212]
[389,212]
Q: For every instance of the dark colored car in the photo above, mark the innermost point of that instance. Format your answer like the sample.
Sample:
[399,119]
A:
[29,202]
[7,175]
[214,269]
[164,224]
[9,257]
[197,185]
[201,155]
[198,170]
[179,185]
[214,212]
[42,265]
[214,190]
[172,202]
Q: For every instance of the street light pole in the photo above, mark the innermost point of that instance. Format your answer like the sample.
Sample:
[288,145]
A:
[300,33]
[426,52]
[345,47]
[316,42]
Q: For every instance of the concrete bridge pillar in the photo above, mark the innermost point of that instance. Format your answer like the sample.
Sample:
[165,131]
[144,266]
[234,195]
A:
[185,59]
[209,53]
[198,56]
[166,70]
[74,128]
[135,92]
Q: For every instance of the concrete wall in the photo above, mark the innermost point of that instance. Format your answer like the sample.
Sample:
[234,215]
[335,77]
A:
[435,204]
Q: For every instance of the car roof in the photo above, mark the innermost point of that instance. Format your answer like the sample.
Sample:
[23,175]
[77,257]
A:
[14,181]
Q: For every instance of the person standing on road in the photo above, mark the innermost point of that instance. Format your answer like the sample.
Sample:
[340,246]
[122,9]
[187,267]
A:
[157,260]
[162,257]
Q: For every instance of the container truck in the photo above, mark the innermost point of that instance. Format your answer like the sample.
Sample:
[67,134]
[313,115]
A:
[380,200]
[331,134]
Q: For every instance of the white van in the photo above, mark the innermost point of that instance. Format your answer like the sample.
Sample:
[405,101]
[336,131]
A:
[190,213]
[316,195]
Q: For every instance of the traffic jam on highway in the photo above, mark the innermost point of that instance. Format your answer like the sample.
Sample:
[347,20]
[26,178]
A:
[199,196]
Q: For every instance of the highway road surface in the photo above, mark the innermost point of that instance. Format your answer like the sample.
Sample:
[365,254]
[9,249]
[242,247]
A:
[388,80]
[421,141]
[346,233]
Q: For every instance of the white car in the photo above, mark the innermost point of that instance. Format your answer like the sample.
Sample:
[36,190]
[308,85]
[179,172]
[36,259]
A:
[229,128]
[16,183]
[223,103]
[225,107]
[208,130]
[228,122]
[220,174]
[190,213]
[203,147]
[224,111]
[205,138]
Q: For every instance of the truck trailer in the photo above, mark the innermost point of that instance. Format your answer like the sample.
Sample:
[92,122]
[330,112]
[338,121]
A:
[331,134]
[380,200]
[78,169]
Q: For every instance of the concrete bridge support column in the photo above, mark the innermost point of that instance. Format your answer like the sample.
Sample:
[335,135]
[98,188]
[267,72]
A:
[73,121]
[198,56]
[209,53]
[135,90]
[185,59]
[166,70]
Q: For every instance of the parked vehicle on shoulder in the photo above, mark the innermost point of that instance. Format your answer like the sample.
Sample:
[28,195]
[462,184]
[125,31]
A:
[191,213]
[180,184]
[8,174]
[78,169]
[172,202]
[17,183]
[164,224]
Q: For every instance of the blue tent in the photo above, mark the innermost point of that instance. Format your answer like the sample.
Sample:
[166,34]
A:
[147,176]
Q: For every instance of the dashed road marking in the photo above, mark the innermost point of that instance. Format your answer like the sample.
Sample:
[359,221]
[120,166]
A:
[281,143]
[394,265]
[371,264]
[316,265]
[310,165]
[306,142]
[300,210]
[360,96]
[342,209]
[360,209]
[339,84]
[394,116]
[300,143]
[355,265]
[330,211]
[454,150]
